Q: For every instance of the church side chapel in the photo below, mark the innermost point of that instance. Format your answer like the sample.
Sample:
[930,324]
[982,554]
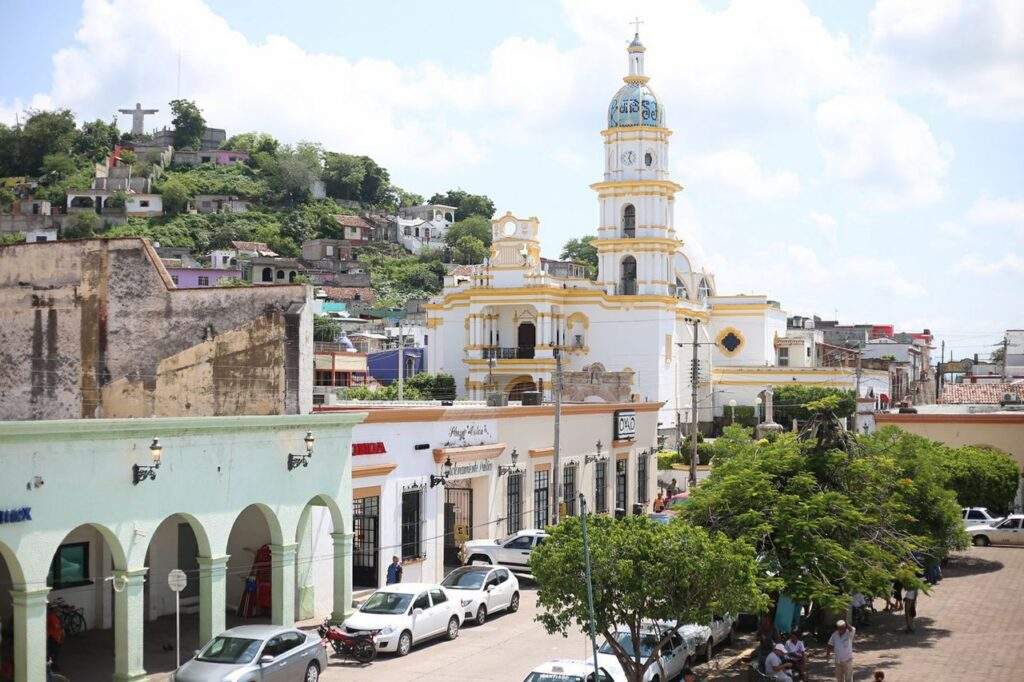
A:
[629,334]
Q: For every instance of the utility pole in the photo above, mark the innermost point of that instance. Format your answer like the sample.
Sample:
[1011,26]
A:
[590,587]
[401,363]
[556,464]
[694,384]
[856,393]
[939,376]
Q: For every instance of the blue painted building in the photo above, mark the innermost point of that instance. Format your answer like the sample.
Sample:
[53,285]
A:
[383,365]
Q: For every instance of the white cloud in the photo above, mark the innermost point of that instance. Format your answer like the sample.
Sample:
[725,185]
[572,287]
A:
[739,170]
[989,211]
[969,52]
[883,276]
[884,149]
[974,264]
[826,224]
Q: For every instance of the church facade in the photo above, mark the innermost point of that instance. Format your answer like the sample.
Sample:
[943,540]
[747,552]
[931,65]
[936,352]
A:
[628,335]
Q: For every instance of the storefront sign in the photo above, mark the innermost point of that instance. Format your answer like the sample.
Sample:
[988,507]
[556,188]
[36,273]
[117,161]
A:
[16,515]
[471,469]
[376,448]
[460,435]
[625,424]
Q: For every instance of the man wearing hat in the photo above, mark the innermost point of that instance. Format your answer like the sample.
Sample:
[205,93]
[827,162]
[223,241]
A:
[841,642]
[776,666]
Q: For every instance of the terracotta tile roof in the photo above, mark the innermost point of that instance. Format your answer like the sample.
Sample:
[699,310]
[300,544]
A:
[350,294]
[353,221]
[464,270]
[979,394]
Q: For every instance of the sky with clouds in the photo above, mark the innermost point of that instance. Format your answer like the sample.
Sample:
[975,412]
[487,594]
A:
[851,158]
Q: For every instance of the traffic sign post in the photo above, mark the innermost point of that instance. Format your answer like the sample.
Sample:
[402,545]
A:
[177,580]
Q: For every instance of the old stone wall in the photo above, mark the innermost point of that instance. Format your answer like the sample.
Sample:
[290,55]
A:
[593,382]
[92,328]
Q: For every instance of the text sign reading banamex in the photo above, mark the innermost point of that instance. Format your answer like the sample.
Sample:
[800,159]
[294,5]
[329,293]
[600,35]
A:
[625,424]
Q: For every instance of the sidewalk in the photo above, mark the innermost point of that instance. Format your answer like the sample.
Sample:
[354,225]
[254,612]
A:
[970,627]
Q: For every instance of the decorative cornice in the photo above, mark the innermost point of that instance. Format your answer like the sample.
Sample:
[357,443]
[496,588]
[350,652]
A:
[368,470]
[470,453]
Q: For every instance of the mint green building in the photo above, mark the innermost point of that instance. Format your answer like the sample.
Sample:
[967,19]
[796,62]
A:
[76,523]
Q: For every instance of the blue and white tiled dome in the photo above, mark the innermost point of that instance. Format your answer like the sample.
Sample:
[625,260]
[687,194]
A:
[635,105]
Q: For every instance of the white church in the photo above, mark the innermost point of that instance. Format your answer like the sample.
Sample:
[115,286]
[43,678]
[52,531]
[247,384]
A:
[629,334]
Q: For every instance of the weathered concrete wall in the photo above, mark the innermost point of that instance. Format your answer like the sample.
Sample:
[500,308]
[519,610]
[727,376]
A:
[92,328]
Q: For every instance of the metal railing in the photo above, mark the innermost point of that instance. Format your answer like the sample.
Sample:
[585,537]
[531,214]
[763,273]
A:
[514,353]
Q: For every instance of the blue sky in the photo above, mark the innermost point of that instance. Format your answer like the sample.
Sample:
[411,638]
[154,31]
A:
[852,158]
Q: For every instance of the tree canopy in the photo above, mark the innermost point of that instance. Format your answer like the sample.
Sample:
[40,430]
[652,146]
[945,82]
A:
[790,402]
[582,250]
[188,123]
[356,178]
[469,239]
[252,143]
[642,571]
[465,204]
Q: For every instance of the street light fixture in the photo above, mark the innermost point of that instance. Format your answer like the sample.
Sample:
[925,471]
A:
[502,470]
[295,461]
[140,472]
[732,409]
[446,472]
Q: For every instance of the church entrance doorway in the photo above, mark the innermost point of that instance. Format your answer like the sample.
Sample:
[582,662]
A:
[518,387]
[527,340]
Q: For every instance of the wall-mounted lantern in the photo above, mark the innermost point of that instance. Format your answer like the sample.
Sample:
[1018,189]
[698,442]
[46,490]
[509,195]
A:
[141,472]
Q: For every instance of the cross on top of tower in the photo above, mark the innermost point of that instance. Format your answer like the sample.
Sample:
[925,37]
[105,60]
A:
[636,25]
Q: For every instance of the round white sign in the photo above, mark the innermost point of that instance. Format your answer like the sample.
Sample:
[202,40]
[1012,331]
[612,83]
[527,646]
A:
[177,580]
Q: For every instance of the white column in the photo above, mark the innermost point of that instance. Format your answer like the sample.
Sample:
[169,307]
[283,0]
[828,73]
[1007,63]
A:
[282,586]
[212,596]
[342,576]
[128,618]
[29,634]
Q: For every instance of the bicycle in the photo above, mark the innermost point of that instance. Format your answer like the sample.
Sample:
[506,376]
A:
[72,618]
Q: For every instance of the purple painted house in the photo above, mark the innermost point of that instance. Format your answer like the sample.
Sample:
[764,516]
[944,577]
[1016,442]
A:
[197,278]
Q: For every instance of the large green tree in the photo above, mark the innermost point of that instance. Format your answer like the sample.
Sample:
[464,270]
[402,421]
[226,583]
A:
[356,178]
[474,226]
[641,571]
[468,250]
[983,477]
[292,172]
[44,133]
[188,123]
[582,250]
[465,204]
[828,517]
[96,140]
[252,143]
[791,402]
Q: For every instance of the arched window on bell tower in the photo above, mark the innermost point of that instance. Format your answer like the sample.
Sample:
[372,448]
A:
[629,221]
[627,282]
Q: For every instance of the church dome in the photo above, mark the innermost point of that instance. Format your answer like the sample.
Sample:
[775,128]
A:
[635,104]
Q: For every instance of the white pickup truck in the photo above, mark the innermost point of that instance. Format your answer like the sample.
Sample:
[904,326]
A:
[512,551]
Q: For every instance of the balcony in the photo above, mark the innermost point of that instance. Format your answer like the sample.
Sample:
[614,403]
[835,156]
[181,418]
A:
[513,353]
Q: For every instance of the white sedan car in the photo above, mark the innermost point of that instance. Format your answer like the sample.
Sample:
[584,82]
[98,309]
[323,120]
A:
[482,590]
[1009,531]
[676,654]
[707,637]
[405,614]
[567,670]
[979,516]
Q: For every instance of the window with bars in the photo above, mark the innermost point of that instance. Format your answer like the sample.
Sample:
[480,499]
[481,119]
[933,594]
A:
[641,479]
[540,499]
[601,487]
[411,516]
[621,480]
[569,489]
[515,502]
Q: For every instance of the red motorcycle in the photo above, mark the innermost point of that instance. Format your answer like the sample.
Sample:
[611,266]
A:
[359,647]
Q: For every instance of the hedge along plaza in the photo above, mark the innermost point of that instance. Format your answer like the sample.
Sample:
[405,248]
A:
[222,490]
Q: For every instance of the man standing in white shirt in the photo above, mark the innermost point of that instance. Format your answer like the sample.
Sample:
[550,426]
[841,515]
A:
[841,642]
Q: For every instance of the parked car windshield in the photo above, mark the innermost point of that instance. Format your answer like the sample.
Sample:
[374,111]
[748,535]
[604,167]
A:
[230,650]
[392,603]
[647,644]
[461,579]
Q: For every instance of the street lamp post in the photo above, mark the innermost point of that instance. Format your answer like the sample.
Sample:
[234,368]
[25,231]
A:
[732,411]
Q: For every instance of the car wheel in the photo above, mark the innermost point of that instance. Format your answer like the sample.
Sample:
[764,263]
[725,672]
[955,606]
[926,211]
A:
[312,673]
[981,541]
[709,649]
[479,560]
[513,605]
[481,615]
[453,628]
[404,643]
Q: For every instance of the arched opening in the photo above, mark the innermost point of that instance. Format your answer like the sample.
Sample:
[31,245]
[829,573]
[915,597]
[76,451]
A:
[10,574]
[83,599]
[704,290]
[629,221]
[319,560]
[267,275]
[526,340]
[83,202]
[249,590]
[291,276]
[627,280]
[177,543]
[280,274]
[681,290]
[517,387]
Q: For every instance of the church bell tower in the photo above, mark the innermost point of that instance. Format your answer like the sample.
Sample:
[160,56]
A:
[636,241]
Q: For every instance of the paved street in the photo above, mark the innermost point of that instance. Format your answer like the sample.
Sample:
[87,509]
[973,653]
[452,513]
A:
[968,628]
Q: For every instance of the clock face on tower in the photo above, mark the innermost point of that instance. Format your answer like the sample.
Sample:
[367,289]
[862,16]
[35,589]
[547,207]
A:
[628,158]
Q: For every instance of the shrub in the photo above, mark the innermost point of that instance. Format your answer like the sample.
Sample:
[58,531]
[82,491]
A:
[982,477]
[666,458]
[791,402]
[744,415]
[705,451]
